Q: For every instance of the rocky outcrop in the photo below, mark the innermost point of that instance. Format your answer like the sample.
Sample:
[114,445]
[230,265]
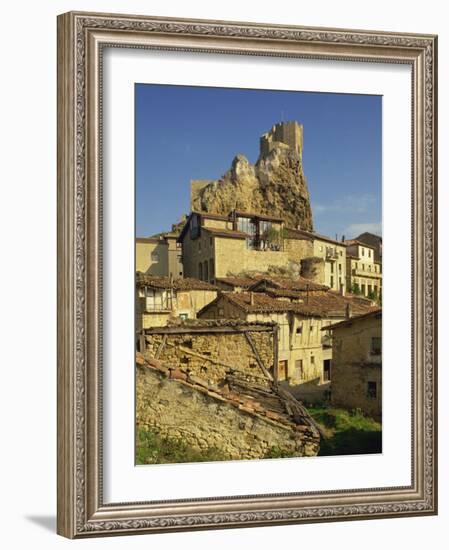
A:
[274,186]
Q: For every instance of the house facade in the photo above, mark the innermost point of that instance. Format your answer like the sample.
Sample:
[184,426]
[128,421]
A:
[357,363]
[215,246]
[364,272]
[159,256]
[329,256]
[159,299]
[305,352]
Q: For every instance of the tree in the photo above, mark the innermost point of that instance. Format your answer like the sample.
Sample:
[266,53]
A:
[355,289]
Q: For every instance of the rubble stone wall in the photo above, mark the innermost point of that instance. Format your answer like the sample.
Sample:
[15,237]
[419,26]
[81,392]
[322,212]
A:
[214,355]
[179,412]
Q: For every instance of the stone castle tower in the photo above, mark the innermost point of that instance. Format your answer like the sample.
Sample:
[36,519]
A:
[274,186]
[283,134]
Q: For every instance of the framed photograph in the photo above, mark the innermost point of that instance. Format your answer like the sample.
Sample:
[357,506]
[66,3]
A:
[246,274]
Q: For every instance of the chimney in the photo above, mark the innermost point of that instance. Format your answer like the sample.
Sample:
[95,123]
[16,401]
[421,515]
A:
[343,238]
[348,313]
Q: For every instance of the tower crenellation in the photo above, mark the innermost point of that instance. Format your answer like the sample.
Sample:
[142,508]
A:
[283,134]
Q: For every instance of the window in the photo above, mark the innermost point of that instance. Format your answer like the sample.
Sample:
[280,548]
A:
[311,328]
[200,271]
[183,316]
[341,253]
[326,370]
[199,246]
[332,282]
[299,329]
[339,268]
[154,256]
[332,267]
[206,270]
[312,359]
[363,251]
[376,345]
[369,253]
[371,391]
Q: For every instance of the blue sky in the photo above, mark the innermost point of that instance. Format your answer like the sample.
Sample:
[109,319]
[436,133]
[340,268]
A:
[186,132]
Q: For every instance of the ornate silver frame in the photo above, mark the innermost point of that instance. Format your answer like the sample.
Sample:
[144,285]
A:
[81,37]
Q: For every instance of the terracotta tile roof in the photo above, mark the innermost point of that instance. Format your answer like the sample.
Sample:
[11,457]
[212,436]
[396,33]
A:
[318,304]
[315,236]
[266,217]
[243,282]
[211,215]
[351,242]
[295,234]
[225,232]
[272,403]
[186,283]
[376,313]
[289,283]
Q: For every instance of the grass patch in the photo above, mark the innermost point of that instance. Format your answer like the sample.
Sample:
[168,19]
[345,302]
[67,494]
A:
[153,449]
[348,432]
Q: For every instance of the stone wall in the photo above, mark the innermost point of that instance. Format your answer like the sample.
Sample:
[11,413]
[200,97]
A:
[297,249]
[177,411]
[152,257]
[354,366]
[232,257]
[313,268]
[213,356]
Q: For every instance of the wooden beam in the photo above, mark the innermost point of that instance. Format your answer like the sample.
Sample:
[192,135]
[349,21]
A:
[161,347]
[256,354]
[209,330]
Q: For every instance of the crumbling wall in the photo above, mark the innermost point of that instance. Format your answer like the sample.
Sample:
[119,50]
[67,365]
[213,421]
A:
[313,268]
[177,411]
[214,355]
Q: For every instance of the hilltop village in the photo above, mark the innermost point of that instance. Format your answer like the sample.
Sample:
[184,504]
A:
[251,312]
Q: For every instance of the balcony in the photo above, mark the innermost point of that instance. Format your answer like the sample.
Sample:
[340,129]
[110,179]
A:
[366,273]
[331,254]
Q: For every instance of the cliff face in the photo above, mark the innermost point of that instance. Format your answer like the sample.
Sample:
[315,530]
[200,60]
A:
[274,186]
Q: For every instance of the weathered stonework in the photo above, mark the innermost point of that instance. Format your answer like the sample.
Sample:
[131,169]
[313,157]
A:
[176,408]
[212,356]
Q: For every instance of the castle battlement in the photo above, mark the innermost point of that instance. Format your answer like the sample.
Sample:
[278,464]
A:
[281,134]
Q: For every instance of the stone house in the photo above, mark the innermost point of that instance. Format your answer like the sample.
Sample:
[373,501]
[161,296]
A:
[216,246]
[357,363]
[207,383]
[159,299]
[330,256]
[375,241]
[159,256]
[363,271]
[305,353]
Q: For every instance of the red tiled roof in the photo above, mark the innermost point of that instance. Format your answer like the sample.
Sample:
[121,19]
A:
[218,232]
[243,282]
[269,401]
[318,304]
[376,313]
[313,235]
[289,283]
[186,283]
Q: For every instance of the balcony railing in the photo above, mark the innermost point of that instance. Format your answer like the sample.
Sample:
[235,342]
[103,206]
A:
[331,254]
